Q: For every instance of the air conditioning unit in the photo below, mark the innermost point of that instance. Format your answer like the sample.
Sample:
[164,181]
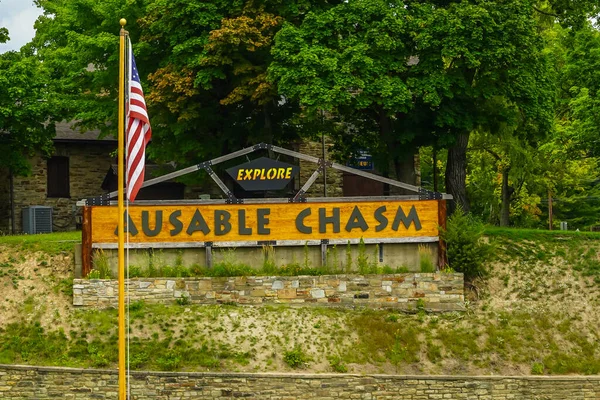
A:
[37,219]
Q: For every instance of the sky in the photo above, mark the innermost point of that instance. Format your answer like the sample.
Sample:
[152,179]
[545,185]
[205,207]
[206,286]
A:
[18,17]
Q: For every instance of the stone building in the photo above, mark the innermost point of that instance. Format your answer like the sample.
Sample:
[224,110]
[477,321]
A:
[76,169]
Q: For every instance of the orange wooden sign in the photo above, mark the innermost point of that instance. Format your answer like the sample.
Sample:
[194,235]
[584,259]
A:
[268,222]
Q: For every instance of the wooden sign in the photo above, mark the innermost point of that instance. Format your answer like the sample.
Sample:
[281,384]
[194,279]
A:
[270,222]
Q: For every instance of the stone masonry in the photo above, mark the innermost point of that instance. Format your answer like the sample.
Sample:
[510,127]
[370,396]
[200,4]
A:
[4,201]
[43,383]
[88,165]
[334,177]
[437,291]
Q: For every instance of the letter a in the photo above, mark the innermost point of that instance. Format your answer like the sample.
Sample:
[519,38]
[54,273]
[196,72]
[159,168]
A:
[129,225]
[198,224]
[356,220]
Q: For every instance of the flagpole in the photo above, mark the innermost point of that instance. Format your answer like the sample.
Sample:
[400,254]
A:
[121,181]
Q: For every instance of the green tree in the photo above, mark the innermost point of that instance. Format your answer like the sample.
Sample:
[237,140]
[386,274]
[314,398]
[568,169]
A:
[78,43]
[209,94]
[26,111]
[4,35]
[410,73]
[503,170]
[358,62]
[493,80]
[570,13]
[202,64]
[571,154]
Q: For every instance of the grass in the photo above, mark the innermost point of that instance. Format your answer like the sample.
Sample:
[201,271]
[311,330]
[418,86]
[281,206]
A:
[538,234]
[51,243]
[580,250]
[218,337]
[225,269]
[525,336]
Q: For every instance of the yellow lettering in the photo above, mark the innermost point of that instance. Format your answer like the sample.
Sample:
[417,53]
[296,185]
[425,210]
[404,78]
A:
[280,173]
[247,174]
[256,174]
[288,173]
[271,173]
[239,175]
[262,174]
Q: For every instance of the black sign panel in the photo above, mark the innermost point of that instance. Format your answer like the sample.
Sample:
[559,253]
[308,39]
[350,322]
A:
[363,161]
[263,174]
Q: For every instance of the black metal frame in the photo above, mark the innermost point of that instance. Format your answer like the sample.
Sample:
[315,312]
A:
[300,196]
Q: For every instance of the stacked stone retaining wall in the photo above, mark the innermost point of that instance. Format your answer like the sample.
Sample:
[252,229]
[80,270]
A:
[433,291]
[26,382]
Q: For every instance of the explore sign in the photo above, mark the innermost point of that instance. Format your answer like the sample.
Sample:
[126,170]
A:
[263,174]
[270,222]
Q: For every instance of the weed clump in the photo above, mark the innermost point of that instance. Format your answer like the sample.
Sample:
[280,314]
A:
[296,358]
[426,259]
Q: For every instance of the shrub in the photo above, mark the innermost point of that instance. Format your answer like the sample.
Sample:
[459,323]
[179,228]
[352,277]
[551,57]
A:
[93,274]
[295,358]
[537,368]
[337,365]
[464,245]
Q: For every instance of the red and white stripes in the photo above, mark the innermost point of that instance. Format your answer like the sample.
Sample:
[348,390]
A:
[138,131]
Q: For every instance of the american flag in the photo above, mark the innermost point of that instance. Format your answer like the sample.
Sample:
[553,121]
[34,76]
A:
[139,131]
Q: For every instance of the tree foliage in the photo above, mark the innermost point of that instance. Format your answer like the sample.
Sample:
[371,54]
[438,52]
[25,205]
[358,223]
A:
[4,35]
[507,92]
[78,43]
[203,66]
[467,252]
[26,111]
[410,73]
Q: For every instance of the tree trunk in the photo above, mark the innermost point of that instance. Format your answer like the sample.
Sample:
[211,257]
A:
[404,165]
[456,173]
[505,206]
[385,127]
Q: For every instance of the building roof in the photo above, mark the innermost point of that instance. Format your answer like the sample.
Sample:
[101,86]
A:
[64,133]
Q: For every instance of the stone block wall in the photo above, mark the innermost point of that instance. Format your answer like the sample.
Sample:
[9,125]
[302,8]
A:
[43,383]
[334,177]
[88,166]
[437,291]
[4,201]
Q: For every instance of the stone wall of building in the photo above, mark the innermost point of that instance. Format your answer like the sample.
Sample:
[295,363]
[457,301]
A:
[88,166]
[434,291]
[4,201]
[42,383]
[334,177]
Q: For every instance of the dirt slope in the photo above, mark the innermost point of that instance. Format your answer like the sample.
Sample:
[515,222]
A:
[537,312]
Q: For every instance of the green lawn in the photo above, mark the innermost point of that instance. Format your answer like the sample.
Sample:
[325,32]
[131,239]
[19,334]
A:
[539,234]
[51,243]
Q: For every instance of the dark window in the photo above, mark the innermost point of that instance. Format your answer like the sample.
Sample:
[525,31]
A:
[58,177]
